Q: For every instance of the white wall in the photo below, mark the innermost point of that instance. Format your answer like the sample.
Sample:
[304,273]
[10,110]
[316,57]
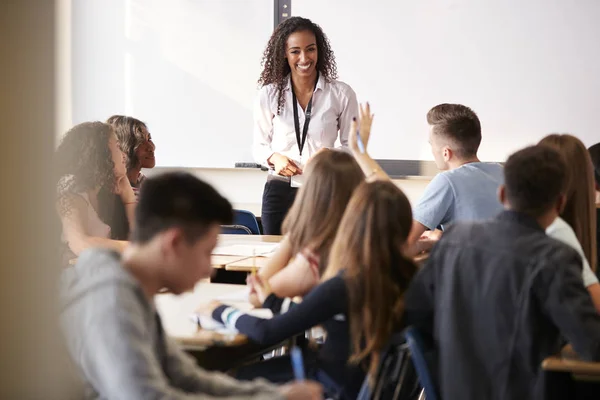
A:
[189,68]
[244,187]
[527,67]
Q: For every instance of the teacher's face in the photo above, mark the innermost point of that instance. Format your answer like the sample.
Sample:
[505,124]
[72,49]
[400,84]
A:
[301,53]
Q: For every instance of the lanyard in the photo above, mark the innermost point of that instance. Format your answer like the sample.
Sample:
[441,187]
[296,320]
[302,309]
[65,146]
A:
[306,119]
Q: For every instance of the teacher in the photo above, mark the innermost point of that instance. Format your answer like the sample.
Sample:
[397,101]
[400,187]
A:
[300,109]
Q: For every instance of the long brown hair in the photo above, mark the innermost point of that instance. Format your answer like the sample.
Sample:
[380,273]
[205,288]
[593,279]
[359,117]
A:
[580,209]
[313,220]
[368,249]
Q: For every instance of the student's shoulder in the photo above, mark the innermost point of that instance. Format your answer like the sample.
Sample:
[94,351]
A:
[98,278]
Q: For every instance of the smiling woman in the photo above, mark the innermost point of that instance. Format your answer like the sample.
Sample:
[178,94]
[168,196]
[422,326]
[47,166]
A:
[301,108]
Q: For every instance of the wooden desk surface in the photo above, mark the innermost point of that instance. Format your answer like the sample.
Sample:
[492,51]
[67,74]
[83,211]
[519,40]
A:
[583,370]
[241,263]
[175,313]
[249,239]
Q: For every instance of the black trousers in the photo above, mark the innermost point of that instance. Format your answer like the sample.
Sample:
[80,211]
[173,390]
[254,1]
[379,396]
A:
[278,197]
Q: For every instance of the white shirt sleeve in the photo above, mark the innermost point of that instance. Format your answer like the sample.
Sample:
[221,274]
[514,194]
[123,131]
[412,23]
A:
[263,127]
[560,230]
[349,111]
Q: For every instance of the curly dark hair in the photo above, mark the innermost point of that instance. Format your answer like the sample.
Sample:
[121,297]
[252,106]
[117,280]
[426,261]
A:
[274,64]
[83,161]
[130,132]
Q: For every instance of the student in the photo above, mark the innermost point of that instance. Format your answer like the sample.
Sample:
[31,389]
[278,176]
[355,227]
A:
[595,155]
[114,333]
[576,225]
[138,149]
[87,159]
[359,302]
[497,297]
[312,223]
[137,145]
[466,189]
[300,109]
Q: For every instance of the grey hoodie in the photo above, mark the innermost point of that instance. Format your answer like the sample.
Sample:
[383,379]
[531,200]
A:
[116,338]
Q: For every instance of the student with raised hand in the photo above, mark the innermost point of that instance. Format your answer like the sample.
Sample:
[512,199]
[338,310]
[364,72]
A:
[595,155]
[114,333]
[88,159]
[465,190]
[499,296]
[576,225]
[312,223]
[301,108]
[359,301]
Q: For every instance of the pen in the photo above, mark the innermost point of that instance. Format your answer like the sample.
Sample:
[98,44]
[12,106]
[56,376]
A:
[297,363]
[359,142]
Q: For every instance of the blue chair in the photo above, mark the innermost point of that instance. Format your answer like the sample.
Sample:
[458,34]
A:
[396,378]
[417,353]
[235,230]
[247,219]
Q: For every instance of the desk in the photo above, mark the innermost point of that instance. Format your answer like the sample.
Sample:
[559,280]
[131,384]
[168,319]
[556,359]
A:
[212,350]
[241,263]
[566,377]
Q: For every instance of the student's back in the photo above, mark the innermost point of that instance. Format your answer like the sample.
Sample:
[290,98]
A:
[467,193]
[495,282]
[498,296]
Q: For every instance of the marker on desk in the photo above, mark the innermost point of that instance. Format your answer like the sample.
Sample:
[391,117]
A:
[297,363]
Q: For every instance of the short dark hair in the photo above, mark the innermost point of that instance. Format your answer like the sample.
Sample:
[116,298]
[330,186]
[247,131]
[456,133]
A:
[178,199]
[595,155]
[460,125]
[534,178]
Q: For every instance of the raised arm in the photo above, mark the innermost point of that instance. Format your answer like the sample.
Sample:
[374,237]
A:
[370,168]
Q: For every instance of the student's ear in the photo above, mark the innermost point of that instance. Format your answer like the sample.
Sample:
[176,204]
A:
[447,153]
[561,204]
[502,196]
[171,242]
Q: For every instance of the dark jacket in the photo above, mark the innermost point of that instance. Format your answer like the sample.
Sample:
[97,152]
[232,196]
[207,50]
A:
[497,298]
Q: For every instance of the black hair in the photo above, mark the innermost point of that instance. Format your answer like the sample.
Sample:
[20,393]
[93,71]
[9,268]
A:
[534,178]
[178,199]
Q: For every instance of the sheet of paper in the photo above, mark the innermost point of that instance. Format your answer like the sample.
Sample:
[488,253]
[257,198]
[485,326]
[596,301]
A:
[210,324]
[247,250]
[240,296]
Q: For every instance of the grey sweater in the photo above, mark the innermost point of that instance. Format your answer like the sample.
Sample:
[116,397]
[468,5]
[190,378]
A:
[116,338]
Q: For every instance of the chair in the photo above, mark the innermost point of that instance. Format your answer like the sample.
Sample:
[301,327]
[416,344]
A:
[418,351]
[247,219]
[244,223]
[396,378]
[235,230]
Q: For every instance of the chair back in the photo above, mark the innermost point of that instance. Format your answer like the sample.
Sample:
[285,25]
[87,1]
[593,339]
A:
[418,351]
[235,230]
[396,377]
[247,219]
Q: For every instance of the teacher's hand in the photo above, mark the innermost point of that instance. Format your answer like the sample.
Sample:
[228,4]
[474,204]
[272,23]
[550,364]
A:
[364,125]
[284,166]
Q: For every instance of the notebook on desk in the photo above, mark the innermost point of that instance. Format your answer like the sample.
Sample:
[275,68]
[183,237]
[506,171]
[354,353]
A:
[210,324]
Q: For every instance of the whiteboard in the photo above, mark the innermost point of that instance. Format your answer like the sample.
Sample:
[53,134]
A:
[526,67]
[189,69]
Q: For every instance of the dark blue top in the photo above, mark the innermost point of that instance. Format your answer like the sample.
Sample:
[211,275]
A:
[325,305]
